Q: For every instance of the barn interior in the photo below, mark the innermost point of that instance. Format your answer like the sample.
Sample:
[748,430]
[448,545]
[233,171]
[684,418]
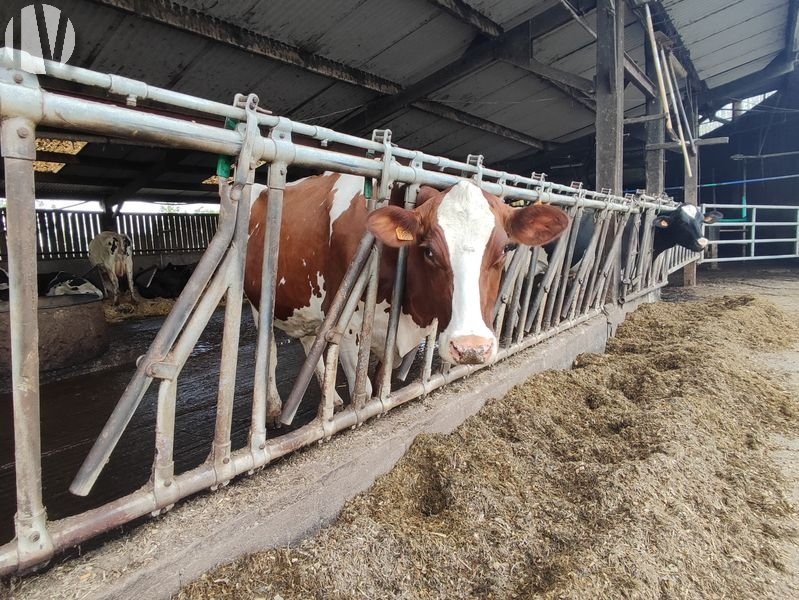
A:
[516,82]
[566,90]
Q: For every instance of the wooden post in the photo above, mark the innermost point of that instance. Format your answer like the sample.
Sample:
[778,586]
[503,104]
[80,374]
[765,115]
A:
[609,94]
[610,109]
[691,197]
[655,134]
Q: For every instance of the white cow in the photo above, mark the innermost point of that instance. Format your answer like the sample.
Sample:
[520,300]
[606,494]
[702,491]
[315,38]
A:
[113,253]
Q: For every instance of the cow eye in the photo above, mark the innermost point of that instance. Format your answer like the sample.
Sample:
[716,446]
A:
[509,247]
[428,253]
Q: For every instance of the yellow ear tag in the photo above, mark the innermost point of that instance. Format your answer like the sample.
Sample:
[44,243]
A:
[403,234]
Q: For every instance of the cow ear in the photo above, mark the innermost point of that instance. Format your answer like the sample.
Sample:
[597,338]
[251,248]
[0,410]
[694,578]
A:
[535,225]
[424,194]
[394,226]
[712,217]
[661,223]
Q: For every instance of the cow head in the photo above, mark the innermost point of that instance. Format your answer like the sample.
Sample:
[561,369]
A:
[683,227]
[457,240]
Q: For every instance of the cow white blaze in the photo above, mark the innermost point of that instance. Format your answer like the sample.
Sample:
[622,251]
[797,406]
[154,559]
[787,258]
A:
[467,222]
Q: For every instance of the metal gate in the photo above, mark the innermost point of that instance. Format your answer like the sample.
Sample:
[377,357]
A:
[532,305]
[762,232]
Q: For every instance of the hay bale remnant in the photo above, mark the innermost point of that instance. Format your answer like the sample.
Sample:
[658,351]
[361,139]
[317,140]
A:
[641,473]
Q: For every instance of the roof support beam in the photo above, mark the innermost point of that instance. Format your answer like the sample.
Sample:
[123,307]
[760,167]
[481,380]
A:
[482,124]
[756,83]
[466,14]
[186,19]
[377,111]
[631,69]
[609,94]
[517,50]
[792,29]
[118,197]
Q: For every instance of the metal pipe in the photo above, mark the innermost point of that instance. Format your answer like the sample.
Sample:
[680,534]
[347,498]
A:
[384,386]
[681,107]
[508,279]
[333,313]
[527,293]
[365,342]
[266,307]
[127,404]
[221,445]
[585,300]
[17,137]
[567,262]
[164,464]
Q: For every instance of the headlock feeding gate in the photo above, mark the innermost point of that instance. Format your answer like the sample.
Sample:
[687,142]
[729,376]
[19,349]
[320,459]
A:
[617,267]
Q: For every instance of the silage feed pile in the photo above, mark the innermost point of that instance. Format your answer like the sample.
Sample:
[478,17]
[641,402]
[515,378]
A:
[641,473]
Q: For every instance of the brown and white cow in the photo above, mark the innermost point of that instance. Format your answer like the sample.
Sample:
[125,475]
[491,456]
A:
[456,239]
[112,253]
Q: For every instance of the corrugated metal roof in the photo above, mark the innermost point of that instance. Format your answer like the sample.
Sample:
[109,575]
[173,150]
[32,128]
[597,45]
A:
[323,62]
[729,40]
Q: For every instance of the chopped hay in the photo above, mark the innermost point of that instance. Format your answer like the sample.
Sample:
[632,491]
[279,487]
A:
[641,473]
[157,307]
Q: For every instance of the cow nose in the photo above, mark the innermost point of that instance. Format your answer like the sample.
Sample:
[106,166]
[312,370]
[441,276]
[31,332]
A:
[702,243]
[471,349]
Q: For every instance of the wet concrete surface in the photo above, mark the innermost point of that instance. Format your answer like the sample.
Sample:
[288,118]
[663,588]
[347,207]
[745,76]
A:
[76,402]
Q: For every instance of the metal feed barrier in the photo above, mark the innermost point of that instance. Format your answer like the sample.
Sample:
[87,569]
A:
[535,303]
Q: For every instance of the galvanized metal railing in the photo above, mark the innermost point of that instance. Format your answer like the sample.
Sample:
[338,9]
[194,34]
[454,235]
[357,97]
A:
[535,302]
[755,235]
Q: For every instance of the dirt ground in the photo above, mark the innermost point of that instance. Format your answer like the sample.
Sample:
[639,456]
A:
[665,468]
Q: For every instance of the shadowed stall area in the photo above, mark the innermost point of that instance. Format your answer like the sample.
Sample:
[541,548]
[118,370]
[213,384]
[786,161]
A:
[77,401]
[640,473]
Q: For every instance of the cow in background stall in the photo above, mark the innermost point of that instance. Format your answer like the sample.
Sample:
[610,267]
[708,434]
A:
[61,283]
[3,285]
[113,253]
[163,282]
[457,240]
[681,227]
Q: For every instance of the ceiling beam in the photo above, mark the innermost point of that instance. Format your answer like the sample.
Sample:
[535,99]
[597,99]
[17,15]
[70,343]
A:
[144,179]
[469,120]
[662,22]
[518,51]
[757,83]
[792,29]
[466,14]
[186,19]
[632,71]
[379,110]
[479,55]
[102,184]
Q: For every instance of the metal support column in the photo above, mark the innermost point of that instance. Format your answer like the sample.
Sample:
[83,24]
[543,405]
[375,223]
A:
[17,138]
[610,106]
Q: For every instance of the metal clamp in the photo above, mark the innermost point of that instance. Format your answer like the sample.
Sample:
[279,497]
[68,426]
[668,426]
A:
[476,161]
[383,136]
[250,133]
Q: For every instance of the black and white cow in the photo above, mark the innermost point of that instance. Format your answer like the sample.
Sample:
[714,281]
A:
[113,253]
[681,227]
[163,282]
[66,284]
[4,285]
